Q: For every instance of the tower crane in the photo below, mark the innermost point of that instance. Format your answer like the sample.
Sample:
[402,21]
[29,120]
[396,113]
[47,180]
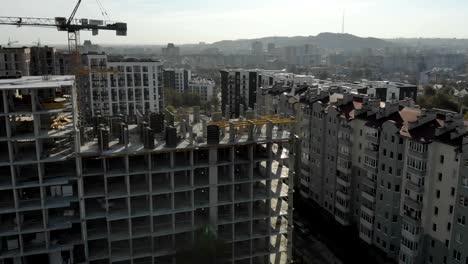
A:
[71,25]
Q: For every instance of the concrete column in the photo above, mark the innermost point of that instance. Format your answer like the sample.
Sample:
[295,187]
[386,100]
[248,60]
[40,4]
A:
[269,129]
[190,131]
[213,156]
[227,113]
[251,131]
[232,132]
[241,110]
[204,129]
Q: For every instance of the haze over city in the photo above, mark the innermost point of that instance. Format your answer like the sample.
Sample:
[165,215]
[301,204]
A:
[186,21]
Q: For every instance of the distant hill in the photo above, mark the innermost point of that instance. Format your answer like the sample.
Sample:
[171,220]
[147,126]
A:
[346,42]
[433,42]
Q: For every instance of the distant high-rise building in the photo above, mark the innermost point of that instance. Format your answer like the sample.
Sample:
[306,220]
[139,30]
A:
[271,47]
[239,90]
[257,48]
[122,86]
[15,61]
[203,88]
[171,53]
[44,61]
[177,79]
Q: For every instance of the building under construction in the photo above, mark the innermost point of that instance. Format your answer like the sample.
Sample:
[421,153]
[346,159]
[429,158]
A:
[138,192]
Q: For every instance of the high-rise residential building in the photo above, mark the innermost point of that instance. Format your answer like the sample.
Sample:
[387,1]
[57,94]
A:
[392,91]
[15,62]
[239,90]
[171,53]
[390,169]
[121,86]
[138,192]
[257,48]
[204,88]
[44,61]
[177,79]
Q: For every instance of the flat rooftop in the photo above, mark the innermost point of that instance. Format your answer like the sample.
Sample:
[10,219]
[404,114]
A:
[37,82]
[135,145]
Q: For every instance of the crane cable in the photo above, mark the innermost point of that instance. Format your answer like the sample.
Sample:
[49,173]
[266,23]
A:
[103,11]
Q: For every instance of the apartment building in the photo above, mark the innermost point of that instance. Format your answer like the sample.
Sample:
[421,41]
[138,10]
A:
[389,169]
[115,86]
[15,62]
[177,79]
[239,90]
[39,206]
[44,61]
[202,87]
[137,192]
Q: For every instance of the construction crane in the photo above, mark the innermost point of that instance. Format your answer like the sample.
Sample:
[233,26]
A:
[263,120]
[71,25]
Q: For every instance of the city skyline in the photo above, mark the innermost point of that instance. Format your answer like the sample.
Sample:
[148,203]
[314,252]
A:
[157,22]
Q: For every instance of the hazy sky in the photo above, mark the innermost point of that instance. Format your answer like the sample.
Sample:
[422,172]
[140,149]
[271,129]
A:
[192,21]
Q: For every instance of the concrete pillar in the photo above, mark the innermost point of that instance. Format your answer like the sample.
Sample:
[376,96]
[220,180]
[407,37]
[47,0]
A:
[196,114]
[227,113]
[190,131]
[183,128]
[241,110]
[232,132]
[204,127]
[269,129]
[213,159]
[251,131]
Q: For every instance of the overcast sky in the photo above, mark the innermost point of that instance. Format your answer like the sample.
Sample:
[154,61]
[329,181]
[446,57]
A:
[193,21]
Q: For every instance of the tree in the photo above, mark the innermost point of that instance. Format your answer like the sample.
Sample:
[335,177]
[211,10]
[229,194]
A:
[207,249]
[428,90]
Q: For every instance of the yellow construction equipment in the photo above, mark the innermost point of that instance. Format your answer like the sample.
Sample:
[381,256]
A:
[263,120]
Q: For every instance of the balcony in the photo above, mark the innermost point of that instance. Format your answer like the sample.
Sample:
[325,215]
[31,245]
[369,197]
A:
[372,138]
[372,152]
[369,196]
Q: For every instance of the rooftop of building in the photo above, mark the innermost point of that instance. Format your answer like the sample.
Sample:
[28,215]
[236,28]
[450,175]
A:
[186,140]
[37,82]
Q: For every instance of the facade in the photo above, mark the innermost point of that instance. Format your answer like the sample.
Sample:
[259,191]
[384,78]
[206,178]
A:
[44,61]
[128,196]
[171,53]
[117,86]
[177,79]
[15,62]
[393,171]
[391,91]
[239,90]
[203,88]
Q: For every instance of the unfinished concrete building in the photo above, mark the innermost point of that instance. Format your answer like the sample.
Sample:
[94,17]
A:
[138,193]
